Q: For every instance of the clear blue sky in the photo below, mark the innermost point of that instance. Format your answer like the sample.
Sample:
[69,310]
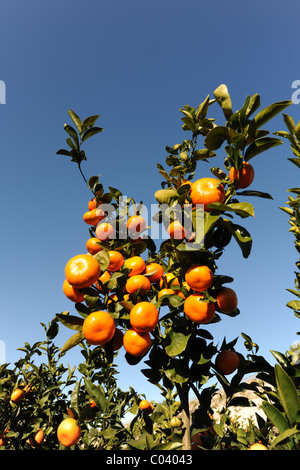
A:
[135,63]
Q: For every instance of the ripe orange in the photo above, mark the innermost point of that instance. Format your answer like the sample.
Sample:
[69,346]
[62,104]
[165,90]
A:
[165,291]
[103,278]
[227,300]
[68,432]
[146,407]
[82,271]
[206,191]
[92,245]
[3,438]
[116,260]
[73,293]
[257,446]
[135,343]
[92,403]
[37,438]
[197,310]
[170,279]
[199,278]
[144,317]
[154,272]
[98,328]
[93,217]
[176,230]
[139,281]
[118,339]
[17,395]
[136,224]
[93,203]
[136,264]
[105,231]
[246,178]
[227,362]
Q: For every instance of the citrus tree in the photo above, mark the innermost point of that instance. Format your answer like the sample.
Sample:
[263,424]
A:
[161,300]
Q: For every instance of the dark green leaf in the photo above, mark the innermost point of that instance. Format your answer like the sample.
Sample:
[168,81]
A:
[259,146]
[90,132]
[243,209]
[89,122]
[73,134]
[73,341]
[270,111]
[288,394]
[75,119]
[216,137]
[96,392]
[70,321]
[63,152]
[250,192]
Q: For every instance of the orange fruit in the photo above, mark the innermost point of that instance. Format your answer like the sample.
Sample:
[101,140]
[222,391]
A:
[82,271]
[135,225]
[154,272]
[146,407]
[165,291]
[227,300]
[227,362]
[199,278]
[170,279]
[93,217]
[103,278]
[73,293]
[143,317]
[257,446]
[93,203]
[105,231]
[37,438]
[246,178]
[197,310]
[3,439]
[118,339]
[135,343]
[17,395]
[92,245]
[139,281]
[98,328]
[176,230]
[136,264]
[206,191]
[92,403]
[68,432]
[116,260]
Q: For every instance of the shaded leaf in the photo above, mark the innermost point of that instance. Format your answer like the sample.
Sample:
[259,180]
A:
[259,146]
[270,111]
[73,341]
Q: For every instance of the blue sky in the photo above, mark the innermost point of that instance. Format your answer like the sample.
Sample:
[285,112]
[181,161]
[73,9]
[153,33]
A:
[135,63]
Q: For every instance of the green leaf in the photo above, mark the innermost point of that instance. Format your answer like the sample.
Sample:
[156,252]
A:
[178,342]
[259,146]
[89,122]
[169,446]
[249,192]
[74,401]
[288,394]
[289,122]
[284,436]
[63,152]
[70,321]
[166,196]
[73,341]
[90,132]
[223,98]
[73,134]
[75,119]
[241,235]
[103,259]
[96,392]
[294,304]
[253,105]
[275,416]
[216,137]
[296,161]
[243,209]
[270,111]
